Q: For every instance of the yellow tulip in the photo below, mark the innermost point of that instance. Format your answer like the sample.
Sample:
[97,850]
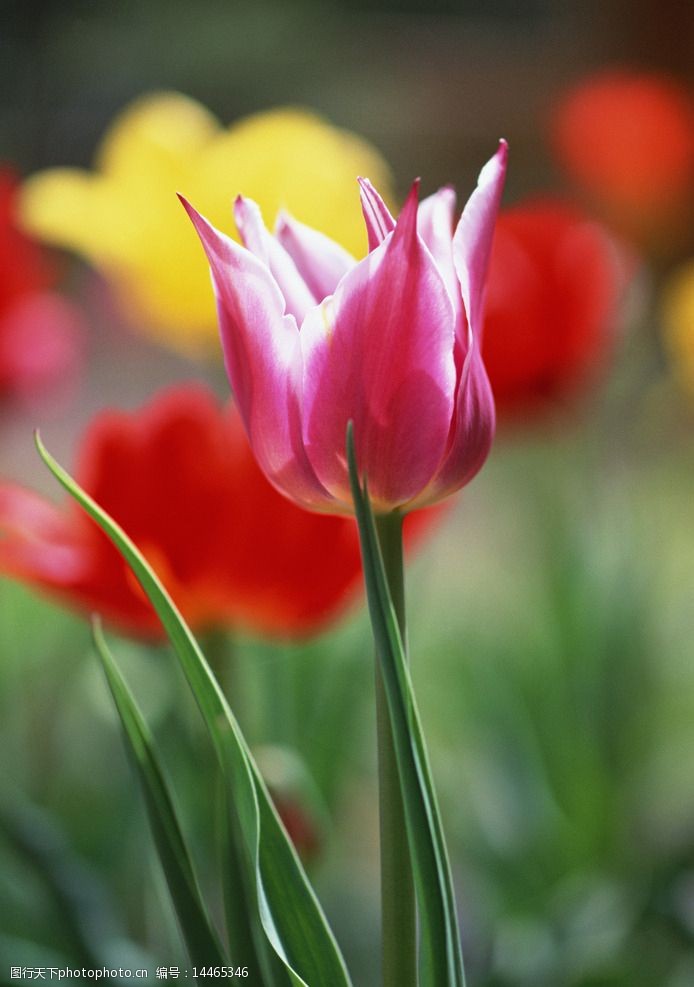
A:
[123,216]
[678,323]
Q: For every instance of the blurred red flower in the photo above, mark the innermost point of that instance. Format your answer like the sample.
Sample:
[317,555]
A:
[628,139]
[179,477]
[40,332]
[551,305]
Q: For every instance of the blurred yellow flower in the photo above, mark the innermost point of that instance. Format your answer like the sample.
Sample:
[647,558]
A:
[124,218]
[678,323]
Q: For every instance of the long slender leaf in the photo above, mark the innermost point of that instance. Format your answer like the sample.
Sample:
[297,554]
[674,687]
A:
[441,959]
[245,935]
[289,910]
[246,939]
[200,937]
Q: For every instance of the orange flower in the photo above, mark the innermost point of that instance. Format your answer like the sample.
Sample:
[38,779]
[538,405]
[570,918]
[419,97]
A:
[627,139]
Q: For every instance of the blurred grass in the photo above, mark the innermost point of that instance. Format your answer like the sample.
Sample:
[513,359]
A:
[564,709]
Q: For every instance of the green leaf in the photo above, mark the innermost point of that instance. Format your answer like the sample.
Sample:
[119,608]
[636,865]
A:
[290,913]
[246,938]
[441,956]
[200,937]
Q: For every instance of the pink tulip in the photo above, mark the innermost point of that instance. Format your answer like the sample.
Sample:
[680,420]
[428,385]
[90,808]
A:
[313,339]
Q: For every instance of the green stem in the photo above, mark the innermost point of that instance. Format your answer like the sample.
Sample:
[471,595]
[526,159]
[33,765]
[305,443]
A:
[398,909]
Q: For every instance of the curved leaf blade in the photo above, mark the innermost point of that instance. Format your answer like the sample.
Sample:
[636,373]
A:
[200,938]
[290,913]
[245,936]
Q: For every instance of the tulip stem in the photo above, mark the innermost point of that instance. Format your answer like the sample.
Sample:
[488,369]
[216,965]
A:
[398,909]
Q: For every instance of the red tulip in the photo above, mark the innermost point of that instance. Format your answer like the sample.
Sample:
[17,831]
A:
[554,283]
[179,477]
[40,332]
[627,139]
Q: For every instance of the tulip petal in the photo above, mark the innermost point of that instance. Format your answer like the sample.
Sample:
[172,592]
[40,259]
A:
[380,352]
[377,215]
[256,238]
[472,241]
[471,436]
[321,262]
[435,226]
[263,360]
[474,420]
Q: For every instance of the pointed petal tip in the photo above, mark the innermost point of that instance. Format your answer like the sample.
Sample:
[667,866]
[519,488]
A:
[501,155]
[366,186]
[212,240]
[203,227]
[502,152]
[494,171]
[407,220]
[184,202]
[244,203]
[245,206]
[377,216]
[412,197]
[250,224]
[198,220]
[282,220]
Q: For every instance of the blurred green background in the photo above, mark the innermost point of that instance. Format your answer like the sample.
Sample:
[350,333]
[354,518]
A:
[551,617]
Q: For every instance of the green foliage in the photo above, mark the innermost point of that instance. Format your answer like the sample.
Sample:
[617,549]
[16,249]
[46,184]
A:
[201,940]
[291,917]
